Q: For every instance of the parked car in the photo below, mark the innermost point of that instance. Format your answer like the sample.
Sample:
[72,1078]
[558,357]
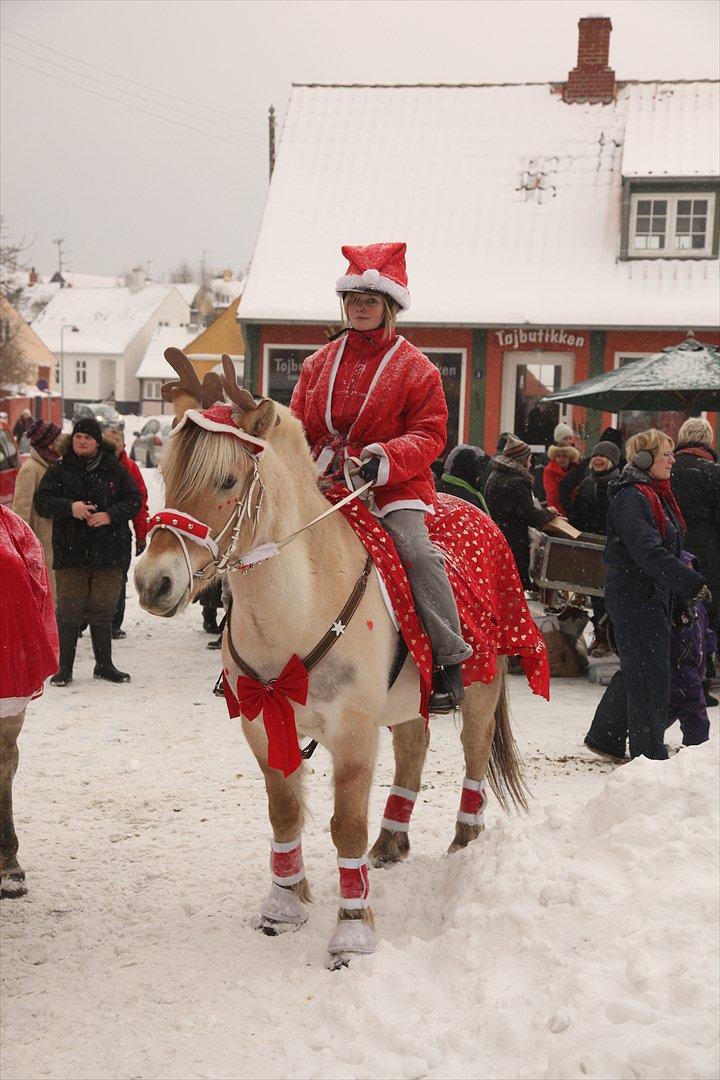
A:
[9,463]
[149,441]
[106,415]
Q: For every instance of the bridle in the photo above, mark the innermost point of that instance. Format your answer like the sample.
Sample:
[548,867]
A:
[187,528]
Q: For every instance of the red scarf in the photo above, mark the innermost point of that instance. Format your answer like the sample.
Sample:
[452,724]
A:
[698,451]
[658,492]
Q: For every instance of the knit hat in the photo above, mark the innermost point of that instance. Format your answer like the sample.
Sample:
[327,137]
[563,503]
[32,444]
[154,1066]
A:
[88,425]
[562,431]
[515,449]
[607,450]
[465,461]
[376,268]
[42,434]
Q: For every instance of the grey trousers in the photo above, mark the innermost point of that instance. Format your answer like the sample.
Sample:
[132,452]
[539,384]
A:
[434,600]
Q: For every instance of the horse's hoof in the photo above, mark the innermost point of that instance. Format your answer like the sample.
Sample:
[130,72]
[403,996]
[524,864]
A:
[389,848]
[336,961]
[12,885]
[464,835]
[282,912]
[273,928]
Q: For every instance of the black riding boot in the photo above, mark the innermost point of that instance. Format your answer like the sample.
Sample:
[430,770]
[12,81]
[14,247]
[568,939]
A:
[101,634]
[447,689]
[68,636]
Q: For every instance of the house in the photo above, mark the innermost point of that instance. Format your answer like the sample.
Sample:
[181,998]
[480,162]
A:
[101,334]
[223,335]
[213,297]
[21,346]
[554,231]
[154,369]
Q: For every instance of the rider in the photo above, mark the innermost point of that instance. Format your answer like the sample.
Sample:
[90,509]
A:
[370,394]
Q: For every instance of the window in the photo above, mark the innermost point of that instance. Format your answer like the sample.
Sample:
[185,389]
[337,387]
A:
[57,372]
[673,225]
[630,421]
[152,389]
[80,372]
[282,369]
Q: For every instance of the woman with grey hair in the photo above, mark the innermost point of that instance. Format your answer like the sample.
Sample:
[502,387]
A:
[696,484]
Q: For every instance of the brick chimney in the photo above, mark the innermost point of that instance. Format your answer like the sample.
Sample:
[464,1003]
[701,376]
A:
[33,276]
[592,80]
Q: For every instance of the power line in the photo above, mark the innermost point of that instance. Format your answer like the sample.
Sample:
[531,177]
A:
[125,78]
[131,93]
[136,108]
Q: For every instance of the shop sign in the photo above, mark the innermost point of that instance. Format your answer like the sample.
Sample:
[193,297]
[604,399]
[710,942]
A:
[512,339]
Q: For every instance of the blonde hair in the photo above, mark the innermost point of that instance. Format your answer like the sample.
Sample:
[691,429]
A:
[654,441]
[390,313]
[695,429]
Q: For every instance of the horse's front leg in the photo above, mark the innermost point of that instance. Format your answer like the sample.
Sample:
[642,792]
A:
[12,876]
[410,743]
[284,907]
[353,754]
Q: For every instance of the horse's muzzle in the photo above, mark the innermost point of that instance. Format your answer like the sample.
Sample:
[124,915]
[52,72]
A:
[160,590]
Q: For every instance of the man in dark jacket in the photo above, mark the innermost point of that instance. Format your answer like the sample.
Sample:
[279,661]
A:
[508,493]
[90,498]
[463,467]
[589,514]
[575,476]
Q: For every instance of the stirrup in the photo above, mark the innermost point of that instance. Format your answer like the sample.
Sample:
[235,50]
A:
[447,692]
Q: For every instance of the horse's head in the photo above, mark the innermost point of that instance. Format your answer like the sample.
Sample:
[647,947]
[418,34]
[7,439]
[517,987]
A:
[211,469]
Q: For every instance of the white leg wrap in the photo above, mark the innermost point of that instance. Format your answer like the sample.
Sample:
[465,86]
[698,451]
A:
[473,801]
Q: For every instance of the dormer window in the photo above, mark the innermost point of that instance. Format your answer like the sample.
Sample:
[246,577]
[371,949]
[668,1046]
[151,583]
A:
[671,224]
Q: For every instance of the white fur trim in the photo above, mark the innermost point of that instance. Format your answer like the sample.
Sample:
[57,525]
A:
[403,504]
[331,387]
[197,417]
[376,450]
[386,597]
[359,283]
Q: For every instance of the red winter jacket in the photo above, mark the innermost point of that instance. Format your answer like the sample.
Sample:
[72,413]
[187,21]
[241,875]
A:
[140,522]
[552,475]
[402,420]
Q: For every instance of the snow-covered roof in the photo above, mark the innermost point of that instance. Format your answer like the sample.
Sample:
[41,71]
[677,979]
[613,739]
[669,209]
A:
[225,290]
[153,364]
[509,200]
[91,281]
[187,289]
[673,129]
[107,319]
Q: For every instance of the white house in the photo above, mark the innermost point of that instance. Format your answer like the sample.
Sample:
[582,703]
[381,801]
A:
[154,369]
[101,335]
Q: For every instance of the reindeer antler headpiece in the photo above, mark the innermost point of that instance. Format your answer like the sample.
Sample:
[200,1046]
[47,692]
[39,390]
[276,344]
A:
[187,393]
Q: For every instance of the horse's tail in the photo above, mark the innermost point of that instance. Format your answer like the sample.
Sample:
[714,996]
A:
[505,769]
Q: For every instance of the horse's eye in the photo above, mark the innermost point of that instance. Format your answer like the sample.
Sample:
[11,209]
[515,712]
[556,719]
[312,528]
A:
[228,482]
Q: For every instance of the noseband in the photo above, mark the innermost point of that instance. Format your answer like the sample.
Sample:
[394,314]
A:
[185,528]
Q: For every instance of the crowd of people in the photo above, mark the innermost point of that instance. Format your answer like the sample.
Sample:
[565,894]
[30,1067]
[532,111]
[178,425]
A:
[658,505]
[79,493]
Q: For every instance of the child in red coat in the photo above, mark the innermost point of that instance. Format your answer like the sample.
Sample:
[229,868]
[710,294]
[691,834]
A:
[370,394]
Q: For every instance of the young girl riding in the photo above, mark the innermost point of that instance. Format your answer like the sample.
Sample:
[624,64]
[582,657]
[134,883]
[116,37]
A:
[370,394]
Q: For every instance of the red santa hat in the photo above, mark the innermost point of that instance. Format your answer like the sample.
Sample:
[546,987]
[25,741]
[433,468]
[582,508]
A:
[376,268]
[219,418]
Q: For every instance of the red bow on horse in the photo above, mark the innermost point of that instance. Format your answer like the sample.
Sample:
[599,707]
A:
[252,696]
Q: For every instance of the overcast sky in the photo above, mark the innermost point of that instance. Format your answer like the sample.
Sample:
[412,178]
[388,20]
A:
[124,187]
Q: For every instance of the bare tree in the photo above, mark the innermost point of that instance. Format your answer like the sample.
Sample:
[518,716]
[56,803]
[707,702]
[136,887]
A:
[14,369]
[182,272]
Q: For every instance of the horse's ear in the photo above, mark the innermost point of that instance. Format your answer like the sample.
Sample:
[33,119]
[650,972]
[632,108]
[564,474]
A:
[258,421]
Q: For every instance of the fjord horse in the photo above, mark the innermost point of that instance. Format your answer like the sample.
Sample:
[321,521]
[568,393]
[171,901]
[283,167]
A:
[283,607]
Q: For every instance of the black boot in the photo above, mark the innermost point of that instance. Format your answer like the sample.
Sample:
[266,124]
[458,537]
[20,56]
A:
[447,689]
[101,634]
[68,636]
[210,623]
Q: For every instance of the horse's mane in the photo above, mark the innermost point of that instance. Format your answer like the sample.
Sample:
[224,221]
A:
[195,459]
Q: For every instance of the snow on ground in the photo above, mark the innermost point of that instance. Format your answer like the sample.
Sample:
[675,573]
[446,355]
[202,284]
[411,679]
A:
[580,941]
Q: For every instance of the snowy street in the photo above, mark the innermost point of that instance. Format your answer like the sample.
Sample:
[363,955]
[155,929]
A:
[579,941]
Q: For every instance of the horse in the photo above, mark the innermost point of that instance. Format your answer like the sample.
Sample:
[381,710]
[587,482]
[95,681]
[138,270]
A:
[244,492]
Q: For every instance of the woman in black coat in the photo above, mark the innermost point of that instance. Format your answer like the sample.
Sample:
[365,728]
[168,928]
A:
[464,466]
[645,577]
[90,498]
[508,493]
[696,483]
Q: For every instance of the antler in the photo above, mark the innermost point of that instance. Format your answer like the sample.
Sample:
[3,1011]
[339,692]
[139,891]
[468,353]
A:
[236,393]
[206,393]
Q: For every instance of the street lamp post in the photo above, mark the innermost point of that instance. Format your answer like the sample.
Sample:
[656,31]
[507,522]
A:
[74,330]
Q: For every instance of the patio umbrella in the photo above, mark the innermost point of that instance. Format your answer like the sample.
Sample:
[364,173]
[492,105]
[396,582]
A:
[684,377]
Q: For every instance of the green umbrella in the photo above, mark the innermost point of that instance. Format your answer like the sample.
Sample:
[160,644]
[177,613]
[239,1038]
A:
[684,377]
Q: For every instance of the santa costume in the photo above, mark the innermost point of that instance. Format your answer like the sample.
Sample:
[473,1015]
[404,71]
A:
[374,396]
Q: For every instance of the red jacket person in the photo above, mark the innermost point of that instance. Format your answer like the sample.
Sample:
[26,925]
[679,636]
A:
[371,394]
